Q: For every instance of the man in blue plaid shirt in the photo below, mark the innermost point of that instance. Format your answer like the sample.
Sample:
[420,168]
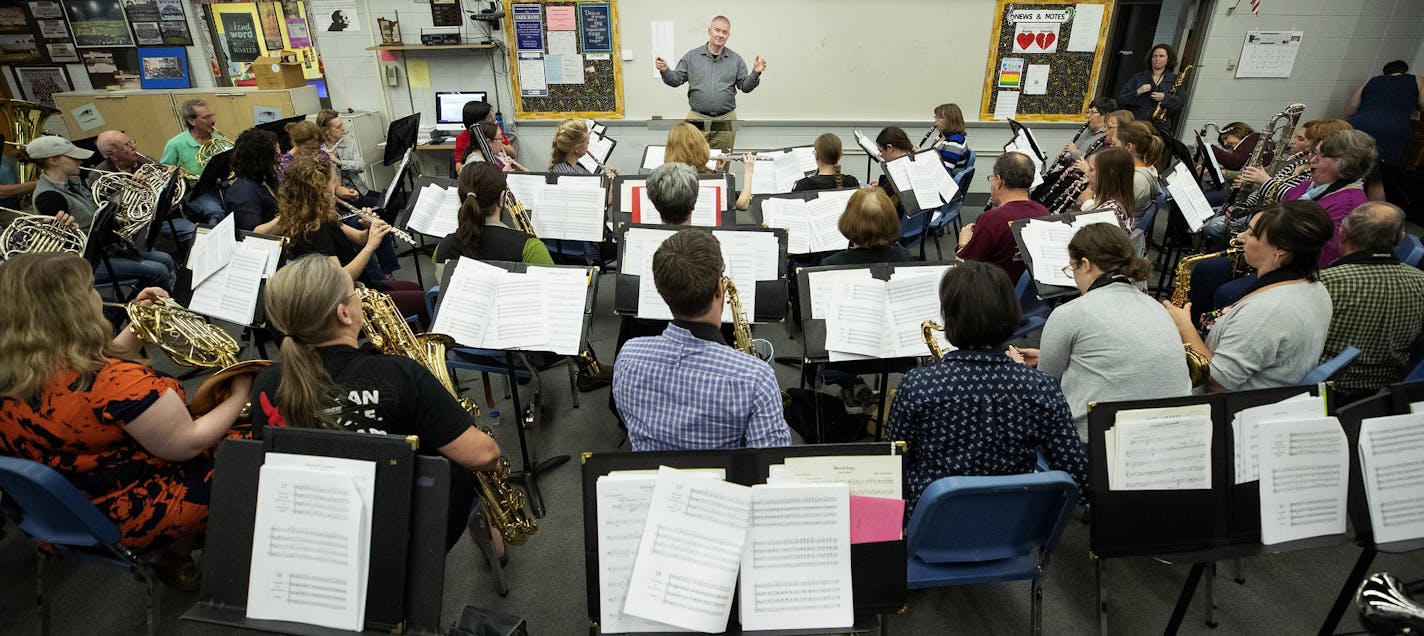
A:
[686,388]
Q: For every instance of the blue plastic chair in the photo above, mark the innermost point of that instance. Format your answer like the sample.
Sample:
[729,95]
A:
[949,212]
[1417,375]
[51,510]
[971,530]
[913,229]
[1034,312]
[1410,250]
[1144,225]
[1333,368]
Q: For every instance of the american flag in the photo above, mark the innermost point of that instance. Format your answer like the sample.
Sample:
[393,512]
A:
[1256,7]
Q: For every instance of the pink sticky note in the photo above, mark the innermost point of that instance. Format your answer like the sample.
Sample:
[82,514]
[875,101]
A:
[875,519]
[388,56]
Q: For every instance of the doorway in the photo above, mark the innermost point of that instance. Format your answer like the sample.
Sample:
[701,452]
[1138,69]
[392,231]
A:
[1133,34]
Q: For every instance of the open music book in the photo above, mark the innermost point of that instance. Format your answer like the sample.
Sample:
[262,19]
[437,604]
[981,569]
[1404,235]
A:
[1047,244]
[1392,462]
[1305,476]
[231,292]
[748,258]
[789,543]
[208,256]
[811,224]
[570,209]
[311,542]
[653,157]
[488,307]
[1160,449]
[600,148]
[867,145]
[777,171]
[921,180]
[706,212]
[1246,430]
[436,211]
[1186,191]
[880,318]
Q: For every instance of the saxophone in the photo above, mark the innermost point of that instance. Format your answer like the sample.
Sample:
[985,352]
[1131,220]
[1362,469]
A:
[1197,365]
[518,216]
[1266,142]
[388,332]
[741,329]
[927,329]
[1159,114]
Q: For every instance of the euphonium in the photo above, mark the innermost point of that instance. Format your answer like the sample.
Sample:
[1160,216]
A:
[1386,606]
[1159,114]
[518,215]
[389,332]
[1197,365]
[27,121]
[36,233]
[927,329]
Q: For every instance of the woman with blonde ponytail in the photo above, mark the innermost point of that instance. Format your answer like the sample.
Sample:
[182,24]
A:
[1114,342]
[828,167]
[324,380]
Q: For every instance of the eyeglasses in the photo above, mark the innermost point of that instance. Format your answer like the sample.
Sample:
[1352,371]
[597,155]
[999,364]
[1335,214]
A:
[359,287]
[1068,270]
[1093,111]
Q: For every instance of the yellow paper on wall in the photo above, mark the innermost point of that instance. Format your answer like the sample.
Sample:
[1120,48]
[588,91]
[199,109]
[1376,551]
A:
[418,71]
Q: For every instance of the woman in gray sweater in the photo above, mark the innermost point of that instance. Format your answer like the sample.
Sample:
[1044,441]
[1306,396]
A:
[1114,342]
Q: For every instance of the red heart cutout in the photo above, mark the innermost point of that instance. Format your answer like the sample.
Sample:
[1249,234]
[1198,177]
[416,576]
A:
[1025,40]
[1045,40]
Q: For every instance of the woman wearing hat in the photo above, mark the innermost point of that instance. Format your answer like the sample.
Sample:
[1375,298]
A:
[60,193]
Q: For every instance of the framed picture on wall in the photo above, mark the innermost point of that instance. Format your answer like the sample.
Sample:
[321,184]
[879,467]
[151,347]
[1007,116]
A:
[49,10]
[98,23]
[62,52]
[165,67]
[173,23]
[112,68]
[13,20]
[147,33]
[19,48]
[40,83]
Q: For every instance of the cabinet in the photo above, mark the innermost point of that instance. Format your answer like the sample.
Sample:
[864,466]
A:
[153,117]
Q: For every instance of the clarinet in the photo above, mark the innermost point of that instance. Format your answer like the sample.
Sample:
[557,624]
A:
[1061,160]
[1065,200]
[927,136]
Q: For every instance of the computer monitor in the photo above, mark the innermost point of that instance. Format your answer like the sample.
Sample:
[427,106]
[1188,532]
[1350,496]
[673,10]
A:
[450,105]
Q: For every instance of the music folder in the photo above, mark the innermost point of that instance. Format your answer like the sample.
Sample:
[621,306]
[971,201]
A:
[1025,131]
[402,220]
[920,180]
[557,321]
[1045,290]
[600,149]
[770,304]
[819,287]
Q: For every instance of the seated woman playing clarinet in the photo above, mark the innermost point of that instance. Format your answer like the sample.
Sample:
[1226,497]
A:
[73,397]
[477,113]
[828,167]
[976,412]
[325,380]
[951,146]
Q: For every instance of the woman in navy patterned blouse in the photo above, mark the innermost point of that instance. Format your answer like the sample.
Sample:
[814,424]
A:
[977,412]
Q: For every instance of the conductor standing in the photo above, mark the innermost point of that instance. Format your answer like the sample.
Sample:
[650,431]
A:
[713,74]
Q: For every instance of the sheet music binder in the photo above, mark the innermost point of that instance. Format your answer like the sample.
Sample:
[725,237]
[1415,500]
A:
[1044,290]
[590,294]
[877,569]
[402,219]
[622,210]
[814,342]
[770,294]
[1357,506]
[1152,522]
[406,576]
[908,200]
[551,178]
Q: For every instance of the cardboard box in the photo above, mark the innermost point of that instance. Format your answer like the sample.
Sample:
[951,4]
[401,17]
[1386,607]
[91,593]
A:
[272,72]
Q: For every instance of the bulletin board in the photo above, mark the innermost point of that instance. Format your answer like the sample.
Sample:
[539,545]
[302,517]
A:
[1029,36]
[564,59]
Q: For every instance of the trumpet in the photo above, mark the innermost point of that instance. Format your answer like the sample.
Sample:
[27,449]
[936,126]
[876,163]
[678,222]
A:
[369,216]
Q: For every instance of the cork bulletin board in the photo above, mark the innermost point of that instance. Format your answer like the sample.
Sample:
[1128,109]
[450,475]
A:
[563,59]
[1044,59]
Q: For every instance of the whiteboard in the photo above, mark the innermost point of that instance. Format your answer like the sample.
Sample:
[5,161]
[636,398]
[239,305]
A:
[832,60]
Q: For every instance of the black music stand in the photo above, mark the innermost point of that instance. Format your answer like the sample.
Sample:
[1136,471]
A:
[622,209]
[161,213]
[279,128]
[1019,129]
[401,136]
[531,466]
[876,589]
[1185,526]
[1044,290]
[101,236]
[214,177]
[402,219]
[407,560]
[770,294]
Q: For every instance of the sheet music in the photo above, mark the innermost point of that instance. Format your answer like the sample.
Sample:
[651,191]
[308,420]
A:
[311,541]
[924,175]
[231,293]
[273,248]
[527,188]
[1392,462]
[653,157]
[599,148]
[866,475]
[856,323]
[796,566]
[1304,478]
[805,158]
[686,569]
[1047,245]
[792,215]
[1246,430]
[1088,218]
[707,212]
[777,172]
[739,263]
[867,145]
[1187,192]
[911,301]
[211,254]
[520,314]
[651,305]
[565,295]
[436,211]
[1162,449]
[570,211]
[826,210]
[623,503]
[467,305]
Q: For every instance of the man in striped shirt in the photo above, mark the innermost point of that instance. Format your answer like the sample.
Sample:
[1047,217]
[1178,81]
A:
[686,388]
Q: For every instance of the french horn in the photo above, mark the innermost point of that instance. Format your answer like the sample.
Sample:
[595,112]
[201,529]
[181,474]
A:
[37,233]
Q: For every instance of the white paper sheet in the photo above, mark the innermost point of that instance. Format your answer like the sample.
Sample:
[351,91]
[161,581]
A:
[623,502]
[565,294]
[795,570]
[273,248]
[867,145]
[312,532]
[686,570]
[436,211]
[467,303]
[1036,80]
[825,285]
[1162,449]
[1305,469]
[1006,105]
[1083,31]
[1392,461]
[1187,192]
[211,254]
[1246,430]
[528,189]
[653,156]
[1047,244]
[231,293]
[662,44]
[531,75]
[866,475]
[923,174]
[707,211]
[570,212]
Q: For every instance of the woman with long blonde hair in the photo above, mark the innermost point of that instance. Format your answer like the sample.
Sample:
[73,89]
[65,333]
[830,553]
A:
[686,144]
[73,397]
[569,145]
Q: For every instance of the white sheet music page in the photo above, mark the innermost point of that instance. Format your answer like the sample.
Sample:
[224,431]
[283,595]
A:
[627,194]
[527,188]
[867,475]
[856,323]
[1047,244]
[1305,469]
[214,252]
[520,314]
[311,541]
[739,258]
[824,286]
[650,303]
[911,300]
[686,570]
[765,177]
[1246,430]
[565,296]
[1088,218]
[423,212]
[707,210]
[867,145]
[1392,461]
[1187,192]
[796,566]
[231,294]
[1162,449]
[273,248]
[825,216]
[792,215]
[805,159]
[653,157]
[467,305]
[623,502]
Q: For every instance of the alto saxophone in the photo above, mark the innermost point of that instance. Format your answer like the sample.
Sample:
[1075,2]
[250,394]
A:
[389,332]
[927,329]
[1159,114]
[1197,365]
[741,329]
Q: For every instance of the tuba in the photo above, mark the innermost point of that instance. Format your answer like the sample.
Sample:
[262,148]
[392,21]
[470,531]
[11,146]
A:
[27,120]
[389,332]
[927,329]
[1386,606]
[37,233]
[1197,365]
[518,216]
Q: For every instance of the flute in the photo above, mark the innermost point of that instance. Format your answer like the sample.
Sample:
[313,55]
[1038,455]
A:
[727,157]
[369,216]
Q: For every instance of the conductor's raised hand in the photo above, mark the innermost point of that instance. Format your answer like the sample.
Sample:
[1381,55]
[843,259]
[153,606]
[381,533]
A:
[759,65]
[661,64]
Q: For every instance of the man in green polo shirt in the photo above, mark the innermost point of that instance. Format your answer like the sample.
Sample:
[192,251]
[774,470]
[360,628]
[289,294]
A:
[182,151]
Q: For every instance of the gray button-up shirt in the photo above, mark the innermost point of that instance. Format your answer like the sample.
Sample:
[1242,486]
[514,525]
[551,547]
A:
[712,80]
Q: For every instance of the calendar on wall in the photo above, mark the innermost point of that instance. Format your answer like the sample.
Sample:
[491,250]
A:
[1269,53]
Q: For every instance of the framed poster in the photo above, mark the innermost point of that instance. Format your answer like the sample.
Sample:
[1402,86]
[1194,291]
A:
[141,10]
[594,28]
[49,10]
[241,34]
[165,67]
[53,30]
[112,68]
[39,83]
[271,25]
[147,33]
[98,23]
[173,23]
[62,52]
[13,20]
[20,48]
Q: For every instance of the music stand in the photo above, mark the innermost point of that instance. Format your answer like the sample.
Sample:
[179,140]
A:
[101,236]
[161,212]
[622,209]
[279,128]
[770,294]
[1044,291]
[214,177]
[400,137]
[1018,129]
[91,144]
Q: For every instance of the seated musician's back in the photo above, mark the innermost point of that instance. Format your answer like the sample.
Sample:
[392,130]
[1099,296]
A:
[686,388]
